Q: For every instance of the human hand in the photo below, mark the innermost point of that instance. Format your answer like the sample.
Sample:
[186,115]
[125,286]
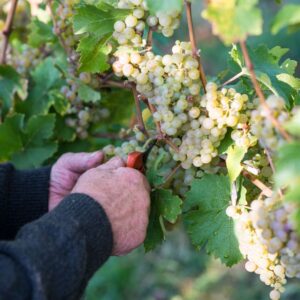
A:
[66,171]
[124,194]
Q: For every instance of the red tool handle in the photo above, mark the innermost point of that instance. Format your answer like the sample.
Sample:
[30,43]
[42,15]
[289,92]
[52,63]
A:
[135,161]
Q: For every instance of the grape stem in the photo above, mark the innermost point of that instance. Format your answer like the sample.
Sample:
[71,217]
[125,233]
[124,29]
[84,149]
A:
[234,78]
[149,38]
[7,30]
[139,115]
[265,190]
[260,93]
[117,84]
[170,176]
[188,8]
[270,160]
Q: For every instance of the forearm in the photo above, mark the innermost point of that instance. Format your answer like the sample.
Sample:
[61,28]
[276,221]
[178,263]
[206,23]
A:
[23,198]
[59,252]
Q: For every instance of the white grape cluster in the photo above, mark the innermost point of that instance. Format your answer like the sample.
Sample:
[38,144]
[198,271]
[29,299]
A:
[168,81]
[130,31]
[64,14]
[208,124]
[123,150]
[268,241]
[27,59]
[172,84]
[82,117]
[263,128]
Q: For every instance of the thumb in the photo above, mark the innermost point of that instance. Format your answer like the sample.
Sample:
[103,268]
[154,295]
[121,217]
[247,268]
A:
[114,163]
[81,162]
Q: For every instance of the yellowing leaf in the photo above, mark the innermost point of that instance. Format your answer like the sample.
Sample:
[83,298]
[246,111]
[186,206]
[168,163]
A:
[233,20]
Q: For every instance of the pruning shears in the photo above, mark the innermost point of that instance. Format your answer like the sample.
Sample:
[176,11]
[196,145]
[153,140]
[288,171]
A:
[137,160]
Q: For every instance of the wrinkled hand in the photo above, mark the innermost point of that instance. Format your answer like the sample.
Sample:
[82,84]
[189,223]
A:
[66,171]
[124,194]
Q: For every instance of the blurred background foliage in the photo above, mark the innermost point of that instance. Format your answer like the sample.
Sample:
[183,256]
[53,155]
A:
[176,271]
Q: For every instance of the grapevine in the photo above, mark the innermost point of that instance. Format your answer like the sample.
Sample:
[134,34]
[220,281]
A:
[219,161]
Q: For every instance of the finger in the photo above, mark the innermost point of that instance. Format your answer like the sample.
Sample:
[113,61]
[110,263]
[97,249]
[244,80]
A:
[112,164]
[81,162]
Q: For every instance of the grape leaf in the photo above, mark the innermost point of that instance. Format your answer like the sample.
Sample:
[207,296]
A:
[288,165]
[94,53]
[40,33]
[234,20]
[288,176]
[153,175]
[163,205]
[169,205]
[293,126]
[225,143]
[92,20]
[60,103]
[87,94]
[62,132]
[275,76]
[97,25]
[287,16]
[164,5]
[10,137]
[235,154]
[45,77]
[10,83]
[155,234]
[36,146]
[207,223]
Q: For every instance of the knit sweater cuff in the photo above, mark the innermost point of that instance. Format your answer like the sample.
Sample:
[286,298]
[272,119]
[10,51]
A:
[26,197]
[61,251]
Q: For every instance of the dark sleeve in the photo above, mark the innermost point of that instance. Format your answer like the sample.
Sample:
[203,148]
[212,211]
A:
[23,198]
[55,256]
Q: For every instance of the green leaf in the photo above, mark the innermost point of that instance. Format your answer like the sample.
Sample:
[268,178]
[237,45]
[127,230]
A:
[87,94]
[207,223]
[44,77]
[10,136]
[10,83]
[234,158]
[293,126]
[275,76]
[289,15]
[92,20]
[288,166]
[169,205]
[40,33]
[94,53]
[153,175]
[37,146]
[155,234]
[46,74]
[164,5]
[60,103]
[234,20]
[62,132]
[225,143]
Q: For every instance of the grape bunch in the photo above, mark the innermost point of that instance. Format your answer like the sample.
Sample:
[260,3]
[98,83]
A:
[130,31]
[167,81]
[81,115]
[261,125]
[267,239]
[27,58]
[63,17]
